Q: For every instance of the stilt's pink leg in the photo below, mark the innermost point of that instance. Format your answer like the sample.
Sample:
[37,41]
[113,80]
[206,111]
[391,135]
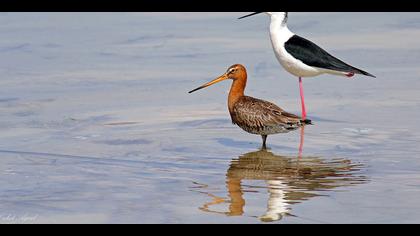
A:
[302,141]
[302,97]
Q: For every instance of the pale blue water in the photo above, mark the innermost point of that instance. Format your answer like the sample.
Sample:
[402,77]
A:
[97,126]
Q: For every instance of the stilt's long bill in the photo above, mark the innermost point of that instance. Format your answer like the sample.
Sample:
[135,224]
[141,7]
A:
[253,115]
[301,57]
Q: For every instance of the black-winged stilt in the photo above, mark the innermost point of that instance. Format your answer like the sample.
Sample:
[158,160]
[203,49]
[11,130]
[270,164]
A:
[302,57]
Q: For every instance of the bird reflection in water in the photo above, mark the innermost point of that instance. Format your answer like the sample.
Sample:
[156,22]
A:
[289,180]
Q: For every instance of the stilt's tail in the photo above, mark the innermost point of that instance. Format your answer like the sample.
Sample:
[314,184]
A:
[359,71]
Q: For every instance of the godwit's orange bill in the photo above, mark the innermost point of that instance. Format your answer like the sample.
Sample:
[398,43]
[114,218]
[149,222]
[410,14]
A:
[220,79]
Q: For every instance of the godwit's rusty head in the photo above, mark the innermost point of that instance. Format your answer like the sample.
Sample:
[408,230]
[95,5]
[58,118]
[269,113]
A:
[235,72]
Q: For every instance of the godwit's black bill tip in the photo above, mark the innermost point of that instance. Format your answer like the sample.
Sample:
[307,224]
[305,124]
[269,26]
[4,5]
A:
[253,14]
[195,90]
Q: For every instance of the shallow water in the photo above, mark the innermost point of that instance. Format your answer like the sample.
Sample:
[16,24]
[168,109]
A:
[97,126]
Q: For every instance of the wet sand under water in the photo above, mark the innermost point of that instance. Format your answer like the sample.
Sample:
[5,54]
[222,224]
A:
[97,125]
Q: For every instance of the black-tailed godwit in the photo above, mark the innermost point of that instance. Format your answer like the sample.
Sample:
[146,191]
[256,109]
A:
[253,115]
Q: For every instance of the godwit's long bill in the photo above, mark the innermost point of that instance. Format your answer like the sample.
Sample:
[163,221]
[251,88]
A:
[253,115]
[301,57]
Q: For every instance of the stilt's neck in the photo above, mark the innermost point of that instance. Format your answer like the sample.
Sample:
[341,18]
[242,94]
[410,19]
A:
[279,31]
[237,90]
[280,18]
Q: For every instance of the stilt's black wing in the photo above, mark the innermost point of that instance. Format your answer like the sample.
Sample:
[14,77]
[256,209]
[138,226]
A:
[312,55]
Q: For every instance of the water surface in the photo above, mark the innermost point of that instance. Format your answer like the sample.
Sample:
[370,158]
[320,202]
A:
[97,125]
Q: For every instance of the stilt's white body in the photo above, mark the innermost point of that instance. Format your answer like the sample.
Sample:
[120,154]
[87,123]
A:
[280,34]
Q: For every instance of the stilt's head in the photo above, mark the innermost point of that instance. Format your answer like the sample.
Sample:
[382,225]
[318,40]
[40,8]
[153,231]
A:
[279,16]
[235,72]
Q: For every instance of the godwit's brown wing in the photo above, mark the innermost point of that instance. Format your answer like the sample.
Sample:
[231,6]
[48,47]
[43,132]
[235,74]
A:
[264,118]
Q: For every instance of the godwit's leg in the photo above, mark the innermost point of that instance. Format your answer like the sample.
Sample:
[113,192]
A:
[302,98]
[264,146]
[302,140]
